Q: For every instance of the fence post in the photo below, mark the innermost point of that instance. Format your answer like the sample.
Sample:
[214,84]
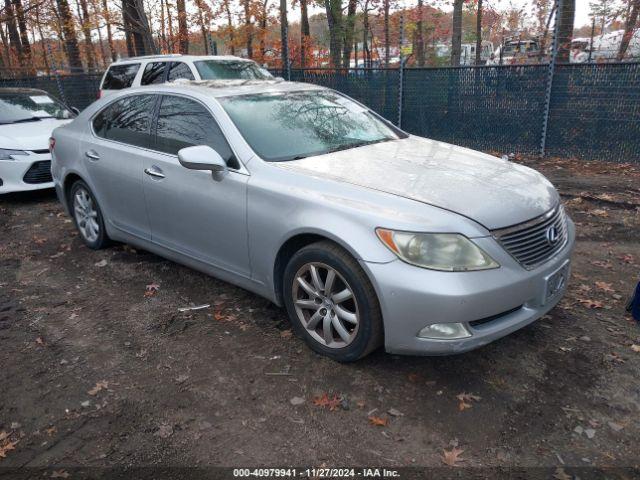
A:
[401,73]
[551,72]
[55,74]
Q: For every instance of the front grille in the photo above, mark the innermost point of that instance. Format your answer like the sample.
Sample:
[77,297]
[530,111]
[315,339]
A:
[39,172]
[532,243]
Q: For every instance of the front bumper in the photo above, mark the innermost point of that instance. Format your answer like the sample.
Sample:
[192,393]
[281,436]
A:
[505,299]
[30,172]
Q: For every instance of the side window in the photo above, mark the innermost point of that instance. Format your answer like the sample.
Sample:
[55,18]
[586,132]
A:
[185,123]
[153,73]
[120,76]
[179,70]
[127,120]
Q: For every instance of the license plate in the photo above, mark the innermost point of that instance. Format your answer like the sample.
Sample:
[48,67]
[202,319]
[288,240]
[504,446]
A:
[556,282]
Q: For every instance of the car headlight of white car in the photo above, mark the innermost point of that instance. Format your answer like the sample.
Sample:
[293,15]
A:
[8,154]
[449,252]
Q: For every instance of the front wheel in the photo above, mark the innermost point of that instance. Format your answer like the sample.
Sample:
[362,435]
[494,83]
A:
[331,302]
[87,216]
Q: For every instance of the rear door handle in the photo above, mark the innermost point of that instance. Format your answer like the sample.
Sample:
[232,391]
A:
[92,154]
[154,172]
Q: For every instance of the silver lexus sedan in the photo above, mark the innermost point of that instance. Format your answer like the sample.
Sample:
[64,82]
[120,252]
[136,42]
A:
[367,236]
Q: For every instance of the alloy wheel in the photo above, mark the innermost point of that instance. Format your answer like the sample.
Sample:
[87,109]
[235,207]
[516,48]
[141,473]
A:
[326,305]
[86,215]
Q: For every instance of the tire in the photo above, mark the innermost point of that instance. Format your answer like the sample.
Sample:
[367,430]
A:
[95,238]
[350,293]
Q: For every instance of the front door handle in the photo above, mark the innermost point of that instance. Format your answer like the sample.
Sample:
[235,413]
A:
[92,154]
[154,173]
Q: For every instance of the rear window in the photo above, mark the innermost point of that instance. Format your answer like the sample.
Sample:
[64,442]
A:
[179,70]
[120,76]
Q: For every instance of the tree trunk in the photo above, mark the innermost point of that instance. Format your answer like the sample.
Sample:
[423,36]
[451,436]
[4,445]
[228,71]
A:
[183,29]
[565,33]
[479,34]
[248,27]
[366,53]
[170,25]
[420,35]
[305,32]
[629,27]
[43,40]
[12,28]
[232,38]
[5,48]
[349,27]
[456,39]
[334,21]
[86,31]
[387,39]
[284,35]
[203,27]
[24,34]
[107,19]
[70,39]
[263,29]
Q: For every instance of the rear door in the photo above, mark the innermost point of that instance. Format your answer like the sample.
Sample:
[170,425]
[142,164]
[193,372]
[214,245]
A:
[114,157]
[191,212]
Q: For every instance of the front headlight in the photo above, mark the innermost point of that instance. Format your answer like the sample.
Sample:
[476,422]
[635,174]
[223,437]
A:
[450,252]
[8,154]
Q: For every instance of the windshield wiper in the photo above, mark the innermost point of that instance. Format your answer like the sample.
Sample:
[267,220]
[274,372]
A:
[28,119]
[356,145]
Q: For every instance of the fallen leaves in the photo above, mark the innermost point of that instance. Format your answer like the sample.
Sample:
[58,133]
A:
[604,286]
[452,457]
[626,258]
[151,289]
[60,474]
[40,341]
[324,401]
[6,444]
[101,385]
[590,303]
[598,212]
[378,421]
[466,400]
[635,348]
[164,431]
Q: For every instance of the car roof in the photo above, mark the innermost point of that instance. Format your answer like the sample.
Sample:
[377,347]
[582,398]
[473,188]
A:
[178,56]
[227,88]
[24,90]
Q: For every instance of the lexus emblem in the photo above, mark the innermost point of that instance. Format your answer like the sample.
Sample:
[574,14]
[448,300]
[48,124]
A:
[552,235]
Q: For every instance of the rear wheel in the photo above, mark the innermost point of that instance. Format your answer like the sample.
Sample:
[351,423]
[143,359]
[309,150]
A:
[331,302]
[87,216]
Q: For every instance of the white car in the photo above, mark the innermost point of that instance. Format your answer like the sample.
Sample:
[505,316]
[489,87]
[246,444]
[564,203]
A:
[155,69]
[27,118]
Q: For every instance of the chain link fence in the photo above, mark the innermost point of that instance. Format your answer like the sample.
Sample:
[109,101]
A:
[593,114]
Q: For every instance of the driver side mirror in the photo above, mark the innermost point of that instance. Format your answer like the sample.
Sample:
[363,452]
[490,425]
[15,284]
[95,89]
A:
[202,157]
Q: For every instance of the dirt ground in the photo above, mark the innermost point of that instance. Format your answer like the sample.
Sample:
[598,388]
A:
[100,368]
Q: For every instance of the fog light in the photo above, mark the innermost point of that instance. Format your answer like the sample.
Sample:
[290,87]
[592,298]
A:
[445,331]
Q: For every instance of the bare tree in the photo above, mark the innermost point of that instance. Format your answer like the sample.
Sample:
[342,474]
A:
[630,25]
[565,16]
[479,34]
[386,5]
[305,32]
[12,30]
[183,28]
[456,39]
[69,31]
[83,15]
[349,27]
[284,35]
[420,35]
[333,9]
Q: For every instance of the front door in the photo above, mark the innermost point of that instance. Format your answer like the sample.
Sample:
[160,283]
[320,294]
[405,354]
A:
[191,212]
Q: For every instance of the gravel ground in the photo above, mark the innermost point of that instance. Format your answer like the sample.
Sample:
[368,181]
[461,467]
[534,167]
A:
[100,368]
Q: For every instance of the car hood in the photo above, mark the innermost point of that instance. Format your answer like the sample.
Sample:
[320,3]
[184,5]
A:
[493,192]
[29,135]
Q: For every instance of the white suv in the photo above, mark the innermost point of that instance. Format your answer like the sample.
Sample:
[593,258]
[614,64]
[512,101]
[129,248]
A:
[154,69]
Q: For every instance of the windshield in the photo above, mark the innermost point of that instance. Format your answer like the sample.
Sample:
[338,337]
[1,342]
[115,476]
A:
[292,125]
[231,70]
[30,107]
